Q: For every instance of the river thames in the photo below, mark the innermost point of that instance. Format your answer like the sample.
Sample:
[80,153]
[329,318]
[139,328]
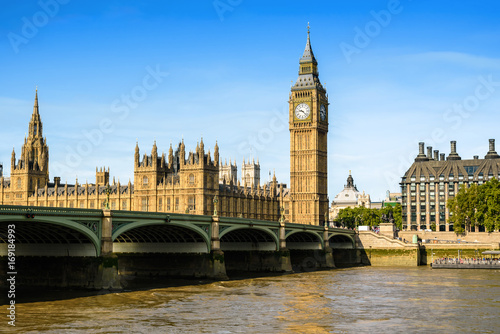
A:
[354,300]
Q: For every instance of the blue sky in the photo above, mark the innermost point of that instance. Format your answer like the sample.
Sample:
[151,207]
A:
[110,73]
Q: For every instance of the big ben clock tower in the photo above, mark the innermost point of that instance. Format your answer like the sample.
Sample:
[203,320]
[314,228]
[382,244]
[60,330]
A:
[308,120]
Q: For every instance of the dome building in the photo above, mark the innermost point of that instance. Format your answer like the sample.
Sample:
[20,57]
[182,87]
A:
[349,197]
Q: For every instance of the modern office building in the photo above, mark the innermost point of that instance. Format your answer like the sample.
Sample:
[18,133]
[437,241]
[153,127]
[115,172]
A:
[433,179]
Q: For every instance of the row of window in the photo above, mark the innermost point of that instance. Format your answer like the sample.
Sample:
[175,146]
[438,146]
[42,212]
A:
[191,180]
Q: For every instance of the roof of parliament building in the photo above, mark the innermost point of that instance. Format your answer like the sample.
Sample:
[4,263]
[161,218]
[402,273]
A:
[436,168]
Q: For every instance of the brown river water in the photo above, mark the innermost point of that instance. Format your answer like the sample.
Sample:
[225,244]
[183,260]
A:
[355,300]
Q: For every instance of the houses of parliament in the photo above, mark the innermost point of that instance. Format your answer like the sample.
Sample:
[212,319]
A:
[196,182]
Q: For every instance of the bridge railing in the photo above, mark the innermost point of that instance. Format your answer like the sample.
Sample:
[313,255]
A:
[40,210]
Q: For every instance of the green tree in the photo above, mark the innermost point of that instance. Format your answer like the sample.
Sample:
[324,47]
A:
[488,209]
[476,205]
[352,217]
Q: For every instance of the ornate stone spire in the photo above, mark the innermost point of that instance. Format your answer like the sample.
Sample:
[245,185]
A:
[308,70]
[308,56]
[154,151]
[35,127]
[136,155]
[216,153]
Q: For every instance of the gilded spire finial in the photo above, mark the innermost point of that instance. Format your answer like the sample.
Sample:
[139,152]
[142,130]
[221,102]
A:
[308,27]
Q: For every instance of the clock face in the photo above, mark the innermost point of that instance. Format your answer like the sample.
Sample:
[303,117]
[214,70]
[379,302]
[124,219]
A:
[302,111]
[322,112]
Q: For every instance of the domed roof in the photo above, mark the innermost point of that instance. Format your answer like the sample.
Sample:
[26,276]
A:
[349,195]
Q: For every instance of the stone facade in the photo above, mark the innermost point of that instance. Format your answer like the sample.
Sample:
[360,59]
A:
[176,183]
[432,180]
[250,172]
[308,124]
[228,173]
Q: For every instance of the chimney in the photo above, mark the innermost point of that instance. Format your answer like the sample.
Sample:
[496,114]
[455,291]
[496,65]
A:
[436,155]
[476,157]
[57,180]
[492,154]
[429,152]
[421,155]
[442,156]
[454,155]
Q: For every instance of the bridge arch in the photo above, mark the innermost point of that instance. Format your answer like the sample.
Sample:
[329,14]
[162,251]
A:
[338,240]
[152,236]
[304,240]
[58,235]
[245,238]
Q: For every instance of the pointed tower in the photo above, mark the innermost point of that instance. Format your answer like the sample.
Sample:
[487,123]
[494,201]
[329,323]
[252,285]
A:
[136,155]
[32,170]
[308,124]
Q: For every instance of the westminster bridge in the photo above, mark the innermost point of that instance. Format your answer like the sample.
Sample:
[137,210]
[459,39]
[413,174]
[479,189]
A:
[109,249]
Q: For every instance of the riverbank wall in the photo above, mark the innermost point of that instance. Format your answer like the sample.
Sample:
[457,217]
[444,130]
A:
[382,250]
[479,237]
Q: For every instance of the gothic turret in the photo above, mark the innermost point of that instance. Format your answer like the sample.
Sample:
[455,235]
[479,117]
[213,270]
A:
[216,153]
[170,156]
[154,152]
[136,156]
[13,160]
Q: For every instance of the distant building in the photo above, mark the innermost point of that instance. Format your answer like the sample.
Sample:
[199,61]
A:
[250,173]
[228,173]
[432,180]
[349,197]
[391,199]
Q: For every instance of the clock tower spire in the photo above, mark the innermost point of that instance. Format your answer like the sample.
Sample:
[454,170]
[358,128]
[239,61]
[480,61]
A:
[308,124]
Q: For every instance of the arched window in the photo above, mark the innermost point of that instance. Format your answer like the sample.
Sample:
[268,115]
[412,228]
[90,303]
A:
[191,178]
[145,180]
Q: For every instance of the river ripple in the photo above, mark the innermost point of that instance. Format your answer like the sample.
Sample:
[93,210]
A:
[357,300]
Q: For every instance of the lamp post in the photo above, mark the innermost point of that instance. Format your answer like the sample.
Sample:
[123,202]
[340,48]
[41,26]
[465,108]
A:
[108,192]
